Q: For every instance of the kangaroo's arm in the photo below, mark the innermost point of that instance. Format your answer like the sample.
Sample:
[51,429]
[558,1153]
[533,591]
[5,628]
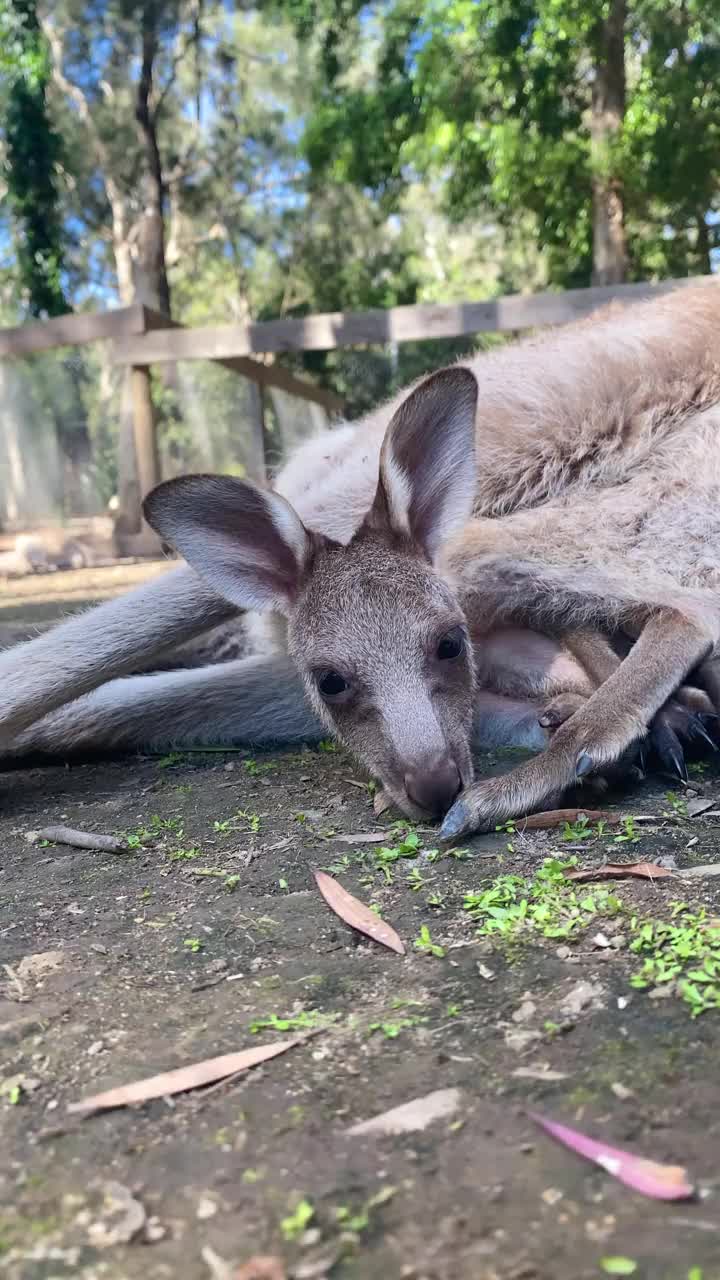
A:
[90,648]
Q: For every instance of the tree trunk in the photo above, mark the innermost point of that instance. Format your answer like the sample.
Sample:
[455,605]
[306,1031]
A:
[702,244]
[152,286]
[607,115]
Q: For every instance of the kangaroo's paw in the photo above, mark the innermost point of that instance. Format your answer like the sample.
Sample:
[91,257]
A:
[687,719]
[587,744]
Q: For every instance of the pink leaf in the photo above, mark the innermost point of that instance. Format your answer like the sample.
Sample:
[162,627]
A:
[659,1181]
[356,914]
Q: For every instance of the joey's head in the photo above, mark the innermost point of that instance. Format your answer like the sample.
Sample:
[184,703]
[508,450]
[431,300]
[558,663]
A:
[378,636]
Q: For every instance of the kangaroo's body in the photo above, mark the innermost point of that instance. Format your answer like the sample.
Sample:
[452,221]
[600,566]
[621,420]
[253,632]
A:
[550,510]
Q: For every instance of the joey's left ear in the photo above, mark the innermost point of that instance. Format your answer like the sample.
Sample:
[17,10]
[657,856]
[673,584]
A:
[427,478]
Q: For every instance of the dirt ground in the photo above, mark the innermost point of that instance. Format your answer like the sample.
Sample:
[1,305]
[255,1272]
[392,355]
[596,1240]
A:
[118,966]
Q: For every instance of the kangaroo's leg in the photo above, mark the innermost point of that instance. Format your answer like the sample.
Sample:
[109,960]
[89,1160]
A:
[256,701]
[669,646]
[108,641]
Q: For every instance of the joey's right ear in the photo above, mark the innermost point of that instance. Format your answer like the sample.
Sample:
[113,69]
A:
[247,543]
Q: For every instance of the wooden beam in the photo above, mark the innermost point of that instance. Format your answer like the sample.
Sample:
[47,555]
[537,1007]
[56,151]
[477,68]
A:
[273,375]
[398,324]
[72,330]
[264,375]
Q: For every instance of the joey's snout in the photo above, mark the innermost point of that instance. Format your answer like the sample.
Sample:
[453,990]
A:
[434,784]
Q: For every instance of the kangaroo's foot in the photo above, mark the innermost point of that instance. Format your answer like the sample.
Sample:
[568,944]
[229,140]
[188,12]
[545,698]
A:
[686,720]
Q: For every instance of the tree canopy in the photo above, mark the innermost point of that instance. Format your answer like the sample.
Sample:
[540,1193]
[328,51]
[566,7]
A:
[227,159]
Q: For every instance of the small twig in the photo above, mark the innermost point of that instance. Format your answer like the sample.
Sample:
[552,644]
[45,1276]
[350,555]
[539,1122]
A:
[211,982]
[79,839]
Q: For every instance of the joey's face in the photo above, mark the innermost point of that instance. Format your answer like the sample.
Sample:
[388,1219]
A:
[379,638]
[383,650]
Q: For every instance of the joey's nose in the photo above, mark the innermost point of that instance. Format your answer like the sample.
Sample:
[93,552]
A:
[433,785]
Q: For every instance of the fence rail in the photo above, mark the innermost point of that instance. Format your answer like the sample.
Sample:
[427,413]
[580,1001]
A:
[141,337]
[398,324]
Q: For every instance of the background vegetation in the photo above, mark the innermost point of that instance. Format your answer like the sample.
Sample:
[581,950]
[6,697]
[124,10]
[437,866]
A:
[218,160]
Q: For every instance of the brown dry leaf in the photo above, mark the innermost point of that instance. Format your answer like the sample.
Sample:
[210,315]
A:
[617,870]
[363,837]
[262,1267]
[558,817]
[699,805]
[381,802]
[413,1116]
[184,1078]
[356,914]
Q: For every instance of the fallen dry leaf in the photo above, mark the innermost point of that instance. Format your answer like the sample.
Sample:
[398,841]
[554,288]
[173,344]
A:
[658,1181]
[411,1116]
[261,1267]
[699,805]
[356,914]
[617,870]
[363,837]
[184,1078]
[540,1072]
[381,803]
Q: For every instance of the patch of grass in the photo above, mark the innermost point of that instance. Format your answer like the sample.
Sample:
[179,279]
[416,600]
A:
[678,805]
[685,952]
[392,1029]
[358,1220]
[254,769]
[156,828]
[222,825]
[580,830]
[305,1020]
[547,904]
[628,833]
[298,1221]
[424,942]
[618,1266]
[172,759]
[328,746]
[184,855]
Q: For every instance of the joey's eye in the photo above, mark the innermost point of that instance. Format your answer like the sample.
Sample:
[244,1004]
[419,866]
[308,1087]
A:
[331,684]
[451,645]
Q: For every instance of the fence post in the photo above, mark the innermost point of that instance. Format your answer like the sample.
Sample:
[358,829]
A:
[138,464]
[144,429]
[256,403]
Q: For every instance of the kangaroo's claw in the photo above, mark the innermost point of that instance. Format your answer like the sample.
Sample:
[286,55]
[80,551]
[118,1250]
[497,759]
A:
[669,750]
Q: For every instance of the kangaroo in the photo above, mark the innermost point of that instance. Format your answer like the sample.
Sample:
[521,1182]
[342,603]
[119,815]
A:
[524,549]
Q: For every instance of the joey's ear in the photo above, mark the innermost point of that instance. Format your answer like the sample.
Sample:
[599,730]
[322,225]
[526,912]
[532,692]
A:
[427,463]
[246,542]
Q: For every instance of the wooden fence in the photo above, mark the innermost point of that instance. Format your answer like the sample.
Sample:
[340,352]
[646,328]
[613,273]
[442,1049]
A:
[141,337]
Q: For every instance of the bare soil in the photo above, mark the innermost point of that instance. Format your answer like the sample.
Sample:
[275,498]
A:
[165,960]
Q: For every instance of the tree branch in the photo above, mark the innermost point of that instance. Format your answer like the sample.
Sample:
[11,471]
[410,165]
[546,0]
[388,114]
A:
[76,96]
[190,41]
